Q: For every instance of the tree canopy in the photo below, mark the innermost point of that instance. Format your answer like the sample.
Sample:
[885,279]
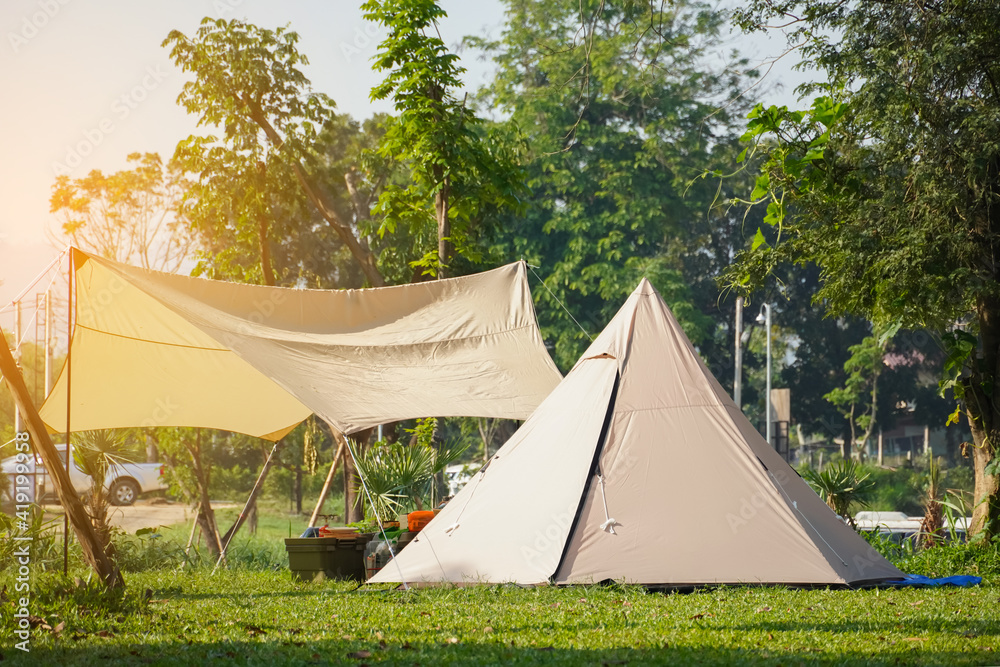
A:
[620,115]
[890,183]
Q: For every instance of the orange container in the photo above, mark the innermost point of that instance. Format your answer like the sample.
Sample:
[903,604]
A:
[337,531]
[415,521]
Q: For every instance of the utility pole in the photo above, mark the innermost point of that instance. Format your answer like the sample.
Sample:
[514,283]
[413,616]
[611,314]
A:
[765,318]
[48,342]
[738,357]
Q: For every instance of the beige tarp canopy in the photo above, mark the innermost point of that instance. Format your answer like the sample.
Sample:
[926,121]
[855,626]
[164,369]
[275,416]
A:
[638,468]
[155,349]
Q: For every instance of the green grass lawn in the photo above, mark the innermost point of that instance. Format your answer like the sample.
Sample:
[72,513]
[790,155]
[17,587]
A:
[262,618]
[178,613]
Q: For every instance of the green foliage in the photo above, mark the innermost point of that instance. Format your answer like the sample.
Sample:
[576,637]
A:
[97,452]
[841,485]
[460,174]
[891,181]
[399,477]
[57,598]
[955,558]
[895,490]
[146,550]
[620,121]
[46,550]
[130,216]
[857,399]
[265,617]
[247,203]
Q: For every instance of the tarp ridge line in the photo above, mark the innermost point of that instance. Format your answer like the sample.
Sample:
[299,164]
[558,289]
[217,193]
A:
[153,342]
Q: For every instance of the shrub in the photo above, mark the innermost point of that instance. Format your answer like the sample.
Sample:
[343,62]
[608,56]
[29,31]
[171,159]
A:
[146,550]
[981,560]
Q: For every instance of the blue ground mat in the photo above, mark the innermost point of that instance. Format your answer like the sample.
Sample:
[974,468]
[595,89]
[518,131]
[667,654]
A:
[919,580]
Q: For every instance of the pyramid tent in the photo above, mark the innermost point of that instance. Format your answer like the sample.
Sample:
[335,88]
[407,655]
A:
[638,468]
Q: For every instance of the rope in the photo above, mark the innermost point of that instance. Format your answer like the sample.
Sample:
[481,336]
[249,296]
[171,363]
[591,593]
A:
[609,524]
[532,269]
[371,502]
[27,326]
[482,473]
[27,289]
[795,504]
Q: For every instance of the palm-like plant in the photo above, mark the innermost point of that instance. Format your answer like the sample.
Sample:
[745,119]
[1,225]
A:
[932,526]
[95,453]
[842,484]
[400,476]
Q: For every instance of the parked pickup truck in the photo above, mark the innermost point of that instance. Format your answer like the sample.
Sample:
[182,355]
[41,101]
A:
[125,482]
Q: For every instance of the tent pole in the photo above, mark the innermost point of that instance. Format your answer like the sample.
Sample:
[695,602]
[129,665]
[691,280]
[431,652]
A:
[243,515]
[329,477]
[18,425]
[93,550]
[69,394]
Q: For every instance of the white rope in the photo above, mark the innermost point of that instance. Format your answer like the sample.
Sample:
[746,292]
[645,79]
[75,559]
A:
[482,473]
[371,502]
[795,504]
[27,326]
[532,269]
[609,523]
[27,289]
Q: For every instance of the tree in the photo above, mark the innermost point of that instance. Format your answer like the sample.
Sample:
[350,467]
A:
[621,116]
[890,183]
[248,83]
[129,216]
[841,485]
[858,398]
[95,453]
[191,474]
[466,174]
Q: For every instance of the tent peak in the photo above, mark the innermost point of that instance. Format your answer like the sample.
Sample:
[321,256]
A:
[645,287]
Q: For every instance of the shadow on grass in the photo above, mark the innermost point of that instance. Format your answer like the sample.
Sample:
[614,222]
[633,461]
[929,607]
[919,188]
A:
[271,653]
[911,626]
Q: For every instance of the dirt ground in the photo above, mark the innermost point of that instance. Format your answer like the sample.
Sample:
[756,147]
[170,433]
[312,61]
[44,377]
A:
[146,513]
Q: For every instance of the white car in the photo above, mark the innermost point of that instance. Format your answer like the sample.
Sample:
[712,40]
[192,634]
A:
[26,474]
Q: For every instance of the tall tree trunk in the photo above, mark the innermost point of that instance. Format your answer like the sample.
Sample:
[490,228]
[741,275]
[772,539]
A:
[93,552]
[353,511]
[359,247]
[297,489]
[863,452]
[983,411]
[206,515]
[265,253]
[444,227]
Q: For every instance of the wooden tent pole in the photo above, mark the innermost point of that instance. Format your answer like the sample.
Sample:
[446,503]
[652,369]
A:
[258,485]
[69,394]
[93,550]
[329,477]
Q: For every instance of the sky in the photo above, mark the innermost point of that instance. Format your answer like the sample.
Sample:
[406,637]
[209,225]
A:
[86,82]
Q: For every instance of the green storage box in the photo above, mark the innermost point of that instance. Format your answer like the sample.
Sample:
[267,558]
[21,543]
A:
[317,558]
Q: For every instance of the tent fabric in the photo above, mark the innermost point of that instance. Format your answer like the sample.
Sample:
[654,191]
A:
[679,489]
[157,349]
